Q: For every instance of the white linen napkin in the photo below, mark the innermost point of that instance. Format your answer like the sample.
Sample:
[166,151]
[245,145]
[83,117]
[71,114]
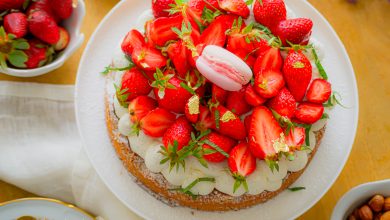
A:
[41,152]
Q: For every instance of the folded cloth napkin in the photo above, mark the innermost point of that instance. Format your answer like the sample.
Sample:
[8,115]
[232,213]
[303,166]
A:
[41,151]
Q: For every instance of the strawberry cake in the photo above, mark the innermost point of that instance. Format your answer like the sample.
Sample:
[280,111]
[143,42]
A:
[217,105]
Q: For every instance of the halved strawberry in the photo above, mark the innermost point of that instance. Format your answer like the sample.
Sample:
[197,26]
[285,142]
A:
[296,137]
[177,52]
[295,31]
[269,60]
[135,84]
[264,131]
[252,98]
[205,120]
[148,58]
[236,103]
[156,122]
[148,34]
[319,91]
[218,95]
[179,131]
[16,24]
[269,12]
[224,143]
[191,110]
[214,34]
[309,113]
[160,7]
[241,164]
[246,57]
[228,123]
[133,39]
[161,29]
[140,107]
[63,42]
[283,103]
[261,46]
[169,92]
[268,83]
[237,7]
[297,72]
[44,27]
[201,4]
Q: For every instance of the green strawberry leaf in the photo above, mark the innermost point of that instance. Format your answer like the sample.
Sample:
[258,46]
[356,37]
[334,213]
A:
[18,58]
[21,44]
[3,63]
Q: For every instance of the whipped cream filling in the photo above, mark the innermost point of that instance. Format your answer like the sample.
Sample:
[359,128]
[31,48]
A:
[148,148]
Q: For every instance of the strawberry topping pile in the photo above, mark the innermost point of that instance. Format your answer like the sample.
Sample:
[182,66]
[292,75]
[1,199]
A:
[30,31]
[267,119]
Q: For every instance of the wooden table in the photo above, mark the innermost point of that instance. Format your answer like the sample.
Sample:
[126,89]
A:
[365,30]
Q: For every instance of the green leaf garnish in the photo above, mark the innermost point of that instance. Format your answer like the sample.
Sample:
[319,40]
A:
[122,95]
[298,188]
[272,164]
[110,68]
[319,65]
[186,87]
[333,100]
[217,148]
[187,190]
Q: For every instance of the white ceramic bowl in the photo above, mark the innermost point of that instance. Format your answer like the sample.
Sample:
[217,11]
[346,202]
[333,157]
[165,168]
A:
[73,25]
[358,196]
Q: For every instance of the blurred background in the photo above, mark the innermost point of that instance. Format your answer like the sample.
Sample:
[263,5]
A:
[364,28]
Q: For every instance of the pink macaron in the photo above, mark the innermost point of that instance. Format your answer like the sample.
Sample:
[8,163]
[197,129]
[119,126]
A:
[223,68]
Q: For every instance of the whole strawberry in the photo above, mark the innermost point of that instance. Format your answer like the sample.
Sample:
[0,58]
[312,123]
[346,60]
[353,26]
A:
[269,12]
[213,141]
[38,54]
[16,24]
[169,92]
[179,131]
[297,72]
[241,164]
[63,42]
[44,27]
[43,5]
[134,84]
[295,31]
[11,4]
[160,7]
[283,103]
[63,8]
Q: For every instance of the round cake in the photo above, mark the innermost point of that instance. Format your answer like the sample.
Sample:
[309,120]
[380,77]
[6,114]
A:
[217,105]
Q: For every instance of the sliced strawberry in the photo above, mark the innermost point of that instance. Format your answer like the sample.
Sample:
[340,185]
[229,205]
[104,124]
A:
[227,20]
[170,94]
[156,122]
[228,123]
[268,83]
[135,84]
[148,34]
[236,103]
[264,131]
[283,103]
[16,24]
[192,109]
[269,60]
[241,161]
[161,29]
[201,4]
[192,58]
[218,95]
[297,72]
[140,107]
[309,113]
[247,58]
[179,131]
[296,137]
[269,12]
[206,120]
[44,27]
[148,58]
[133,39]
[177,52]
[247,123]
[215,33]
[62,8]
[319,91]
[252,98]
[261,47]
[64,40]
[160,7]
[295,31]
[237,7]
[224,143]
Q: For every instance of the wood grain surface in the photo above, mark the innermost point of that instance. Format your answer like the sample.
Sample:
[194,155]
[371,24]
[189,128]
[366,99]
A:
[365,30]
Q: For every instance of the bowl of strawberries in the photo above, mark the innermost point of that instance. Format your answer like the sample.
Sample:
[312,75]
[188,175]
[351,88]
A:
[38,36]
